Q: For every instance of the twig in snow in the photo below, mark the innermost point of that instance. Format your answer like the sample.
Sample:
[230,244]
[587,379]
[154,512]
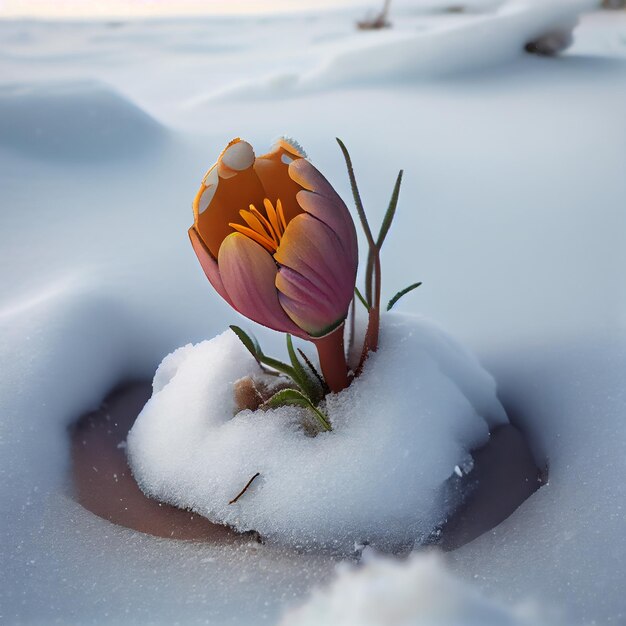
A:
[244,489]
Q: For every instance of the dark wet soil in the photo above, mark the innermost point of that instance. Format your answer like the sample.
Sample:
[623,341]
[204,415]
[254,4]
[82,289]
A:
[503,477]
[103,482]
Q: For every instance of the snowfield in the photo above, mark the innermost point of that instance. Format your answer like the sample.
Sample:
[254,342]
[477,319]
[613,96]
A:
[511,213]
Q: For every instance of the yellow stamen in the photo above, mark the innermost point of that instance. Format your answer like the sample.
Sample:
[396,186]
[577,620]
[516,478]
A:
[266,231]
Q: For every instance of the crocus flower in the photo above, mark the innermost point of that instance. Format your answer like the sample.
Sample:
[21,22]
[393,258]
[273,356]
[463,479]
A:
[278,244]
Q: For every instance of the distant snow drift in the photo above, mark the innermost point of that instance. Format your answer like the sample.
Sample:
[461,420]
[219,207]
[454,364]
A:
[419,408]
[74,120]
[479,42]
[469,44]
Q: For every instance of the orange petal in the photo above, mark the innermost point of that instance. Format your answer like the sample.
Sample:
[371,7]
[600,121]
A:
[220,198]
[273,172]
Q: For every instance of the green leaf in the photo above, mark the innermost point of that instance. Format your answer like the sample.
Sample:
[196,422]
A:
[249,342]
[279,365]
[294,397]
[391,212]
[384,229]
[400,294]
[359,295]
[317,375]
[357,196]
[373,250]
[252,345]
[302,378]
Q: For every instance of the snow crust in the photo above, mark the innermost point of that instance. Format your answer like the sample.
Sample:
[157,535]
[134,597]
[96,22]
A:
[420,591]
[419,408]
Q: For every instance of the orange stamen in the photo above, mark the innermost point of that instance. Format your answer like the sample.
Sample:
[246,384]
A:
[255,224]
[266,231]
[281,215]
[271,215]
[264,221]
[269,245]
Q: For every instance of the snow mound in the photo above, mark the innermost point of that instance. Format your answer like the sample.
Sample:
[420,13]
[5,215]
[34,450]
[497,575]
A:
[472,44]
[74,120]
[419,408]
[417,592]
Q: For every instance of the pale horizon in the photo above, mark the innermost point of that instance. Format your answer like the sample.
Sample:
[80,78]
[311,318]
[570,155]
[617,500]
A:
[81,9]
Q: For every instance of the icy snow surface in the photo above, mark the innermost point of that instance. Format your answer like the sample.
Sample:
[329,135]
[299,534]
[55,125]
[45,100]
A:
[512,213]
[419,408]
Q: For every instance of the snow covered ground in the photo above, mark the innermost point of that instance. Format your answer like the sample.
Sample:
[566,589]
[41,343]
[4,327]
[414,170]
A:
[378,479]
[512,213]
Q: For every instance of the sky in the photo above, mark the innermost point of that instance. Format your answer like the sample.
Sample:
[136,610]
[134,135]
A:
[142,8]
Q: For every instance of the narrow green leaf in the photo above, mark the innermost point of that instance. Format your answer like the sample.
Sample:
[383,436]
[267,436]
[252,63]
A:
[390,213]
[302,379]
[251,344]
[295,364]
[400,294]
[313,369]
[355,192]
[296,398]
[287,397]
[278,365]
[362,300]
[384,229]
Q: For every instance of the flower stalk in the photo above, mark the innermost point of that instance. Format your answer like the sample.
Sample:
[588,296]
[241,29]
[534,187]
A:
[332,355]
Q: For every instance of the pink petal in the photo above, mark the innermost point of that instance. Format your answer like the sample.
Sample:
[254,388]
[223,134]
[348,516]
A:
[317,275]
[248,273]
[208,263]
[306,304]
[309,177]
[320,199]
[334,213]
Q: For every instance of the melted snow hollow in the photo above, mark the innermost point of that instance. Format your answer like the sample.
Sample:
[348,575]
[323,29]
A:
[421,405]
